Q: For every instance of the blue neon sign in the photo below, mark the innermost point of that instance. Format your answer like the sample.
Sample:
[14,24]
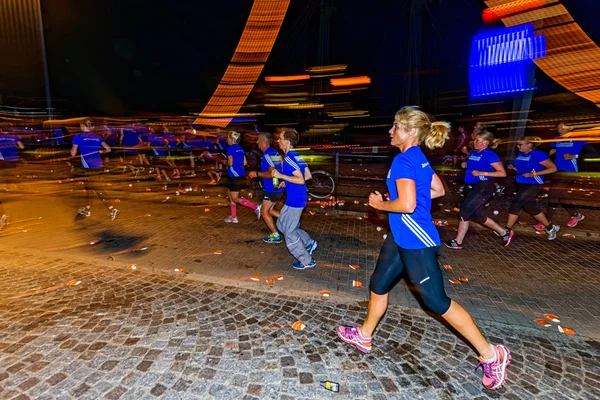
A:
[502,60]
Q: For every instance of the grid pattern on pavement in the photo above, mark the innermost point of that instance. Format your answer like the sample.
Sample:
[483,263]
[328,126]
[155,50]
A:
[124,334]
[512,285]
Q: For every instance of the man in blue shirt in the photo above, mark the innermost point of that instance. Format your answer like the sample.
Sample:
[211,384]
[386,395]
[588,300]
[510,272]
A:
[567,154]
[9,158]
[272,193]
[90,147]
[294,173]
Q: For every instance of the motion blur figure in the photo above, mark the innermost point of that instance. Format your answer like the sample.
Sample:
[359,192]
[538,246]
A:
[9,158]
[90,147]
[567,154]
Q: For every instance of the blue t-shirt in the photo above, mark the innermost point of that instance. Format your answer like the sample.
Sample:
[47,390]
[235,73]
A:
[111,137]
[89,147]
[157,142]
[570,147]
[237,169]
[530,162]
[58,135]
[416,230]
[296,194]
[130,139]
[480,161]
[270,158]
[8,147]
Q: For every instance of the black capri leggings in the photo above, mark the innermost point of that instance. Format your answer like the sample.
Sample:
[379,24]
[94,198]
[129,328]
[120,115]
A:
[422,268]
[526,199]
[478,196]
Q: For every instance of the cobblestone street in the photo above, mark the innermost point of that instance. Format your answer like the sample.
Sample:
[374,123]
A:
[212,331]
[134,335]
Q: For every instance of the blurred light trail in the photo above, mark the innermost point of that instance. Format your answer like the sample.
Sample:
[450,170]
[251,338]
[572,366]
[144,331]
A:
[357,80]
[248,61]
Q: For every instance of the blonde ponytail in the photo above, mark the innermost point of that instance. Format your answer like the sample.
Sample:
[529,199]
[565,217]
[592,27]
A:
[432,135]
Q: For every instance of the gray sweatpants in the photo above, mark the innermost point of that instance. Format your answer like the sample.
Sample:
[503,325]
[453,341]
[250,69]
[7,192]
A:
[296,239]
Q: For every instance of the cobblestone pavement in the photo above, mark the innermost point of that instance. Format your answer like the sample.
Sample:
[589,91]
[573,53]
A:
[123,334]
[512,285]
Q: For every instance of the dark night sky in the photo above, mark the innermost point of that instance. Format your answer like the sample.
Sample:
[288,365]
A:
[115,57]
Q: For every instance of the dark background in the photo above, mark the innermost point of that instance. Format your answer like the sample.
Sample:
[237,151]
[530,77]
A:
[118,57]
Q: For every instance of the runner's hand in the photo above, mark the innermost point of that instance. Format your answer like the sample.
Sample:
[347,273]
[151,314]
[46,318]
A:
[375,200]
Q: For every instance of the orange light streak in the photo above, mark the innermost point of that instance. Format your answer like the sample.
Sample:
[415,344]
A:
[357,80]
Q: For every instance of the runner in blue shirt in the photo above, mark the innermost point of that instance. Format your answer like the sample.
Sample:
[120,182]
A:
[294,172]
[9,158]
[567,154]
[90,147]
[414,242]
[158,142]
[531,166]
[129,140]
[236,163]
[482,166]
[272,194]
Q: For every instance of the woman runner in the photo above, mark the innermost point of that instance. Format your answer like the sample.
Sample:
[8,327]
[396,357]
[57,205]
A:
[90,147]
[530,165]
[236,161]
[482,165]
[414,242]
[567,153]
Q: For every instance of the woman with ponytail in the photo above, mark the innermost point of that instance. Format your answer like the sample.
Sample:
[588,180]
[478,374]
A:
[482,165]
[236,161]
[414,242]
[531,166]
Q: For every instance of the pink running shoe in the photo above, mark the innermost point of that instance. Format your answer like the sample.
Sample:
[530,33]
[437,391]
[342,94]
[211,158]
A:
[494,372]
[350,334]
[575,219]
[539,227]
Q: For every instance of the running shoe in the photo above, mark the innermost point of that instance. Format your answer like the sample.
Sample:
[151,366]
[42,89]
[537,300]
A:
[494,372]
[539,227]
[212,182]
[507,237]
[4,221]
[453,244]
[113,213]
[552,232]
[272,239]
[218,177]
[299,265]
[231,219]
[350,334]
[85,212]
[257,211]
[312,246]
[575,219]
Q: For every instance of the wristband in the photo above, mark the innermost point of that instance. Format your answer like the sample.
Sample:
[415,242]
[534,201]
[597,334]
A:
[486,173]
[534,173]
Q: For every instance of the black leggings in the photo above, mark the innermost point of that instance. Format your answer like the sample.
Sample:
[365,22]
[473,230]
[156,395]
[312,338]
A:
[558,192]
[526,199]
[422,268]
[479,195]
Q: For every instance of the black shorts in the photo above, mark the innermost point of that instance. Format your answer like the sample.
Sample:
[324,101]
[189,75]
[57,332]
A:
[422,268]
[273,197]
[526,199]
[236,183]
[478,195]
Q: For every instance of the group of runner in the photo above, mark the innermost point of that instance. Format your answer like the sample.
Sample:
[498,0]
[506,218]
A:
[413,243]
[279,172]
[531,167]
